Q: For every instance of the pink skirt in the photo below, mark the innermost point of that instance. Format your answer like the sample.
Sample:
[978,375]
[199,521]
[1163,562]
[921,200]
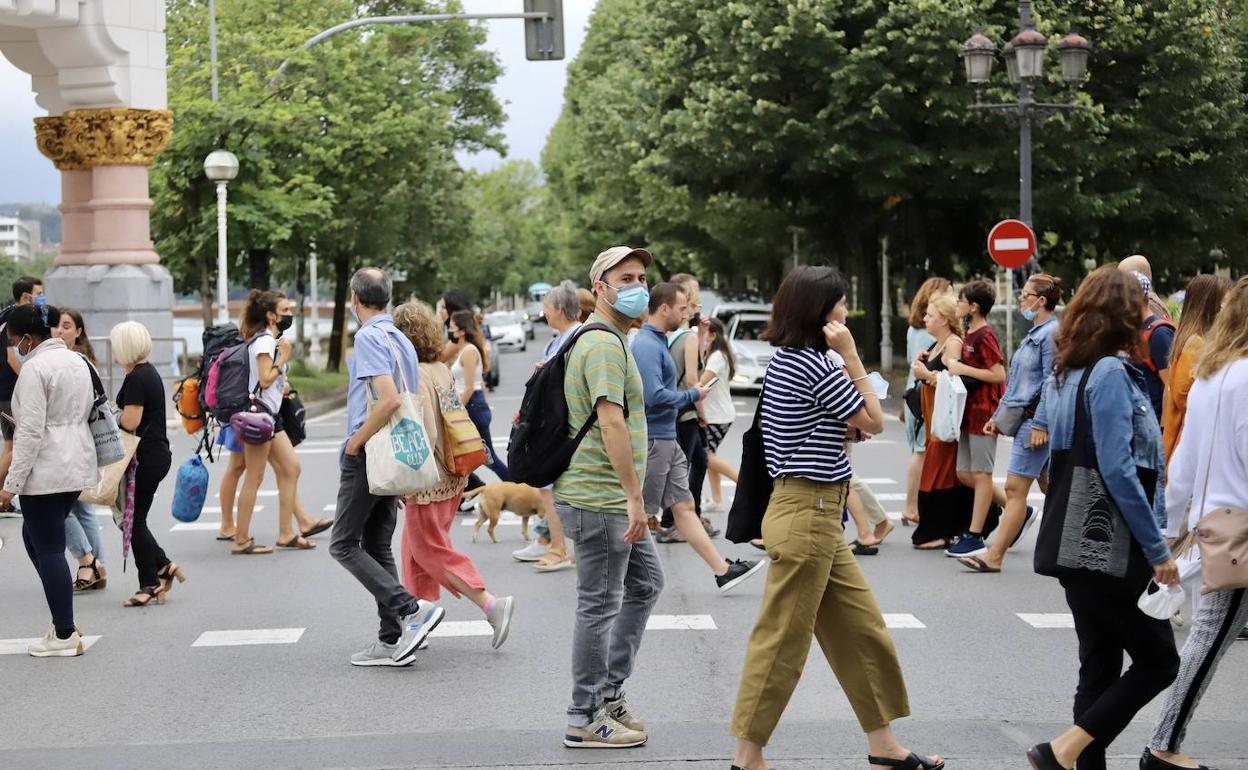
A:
[428,554]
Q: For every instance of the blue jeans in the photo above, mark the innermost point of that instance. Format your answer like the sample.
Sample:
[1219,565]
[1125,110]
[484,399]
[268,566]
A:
[82,531]
[43,532]
[480,414]
[617,585]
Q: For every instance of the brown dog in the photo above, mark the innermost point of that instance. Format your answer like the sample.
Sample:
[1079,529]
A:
[492,499]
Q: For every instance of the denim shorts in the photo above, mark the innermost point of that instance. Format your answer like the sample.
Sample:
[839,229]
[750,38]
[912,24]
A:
[228,439]
[1025,461]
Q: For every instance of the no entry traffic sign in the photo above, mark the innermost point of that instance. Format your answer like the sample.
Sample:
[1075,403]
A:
[1011,243]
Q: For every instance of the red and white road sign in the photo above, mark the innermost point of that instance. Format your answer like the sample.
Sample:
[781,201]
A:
[1011,243]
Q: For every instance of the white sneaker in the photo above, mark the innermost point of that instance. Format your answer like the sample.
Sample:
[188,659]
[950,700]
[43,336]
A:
[51,647]
[532,552]
[712,507]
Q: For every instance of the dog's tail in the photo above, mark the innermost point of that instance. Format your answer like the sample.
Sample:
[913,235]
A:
[473,493]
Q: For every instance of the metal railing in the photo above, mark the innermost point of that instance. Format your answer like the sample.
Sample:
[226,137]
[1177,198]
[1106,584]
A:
[110,371]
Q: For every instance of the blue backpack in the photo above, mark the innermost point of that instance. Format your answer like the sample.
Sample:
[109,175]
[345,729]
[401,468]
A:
[191,490]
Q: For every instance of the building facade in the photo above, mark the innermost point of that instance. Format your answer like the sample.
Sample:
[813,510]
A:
[19,239]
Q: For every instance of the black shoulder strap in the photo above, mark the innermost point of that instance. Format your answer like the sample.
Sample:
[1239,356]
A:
[96,384]
[567,348]
[1083,426]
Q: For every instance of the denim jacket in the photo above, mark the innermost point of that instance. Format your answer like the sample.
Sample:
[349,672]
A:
[1032,364]
[1125,435]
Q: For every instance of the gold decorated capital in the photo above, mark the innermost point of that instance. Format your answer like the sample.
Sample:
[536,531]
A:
[114,136]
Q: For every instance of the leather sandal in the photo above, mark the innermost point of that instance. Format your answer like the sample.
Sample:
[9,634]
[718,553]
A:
[318,527]
[297,543]
[150,592]
[94,583]
[249,548]
[912,762]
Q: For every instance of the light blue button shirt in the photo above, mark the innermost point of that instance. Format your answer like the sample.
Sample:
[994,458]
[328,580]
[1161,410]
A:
[374,356]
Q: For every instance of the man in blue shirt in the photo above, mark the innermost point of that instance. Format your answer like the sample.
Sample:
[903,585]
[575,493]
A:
[667,468]
[384,360]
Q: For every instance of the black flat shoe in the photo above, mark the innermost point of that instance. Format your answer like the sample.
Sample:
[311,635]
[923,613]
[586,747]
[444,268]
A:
[1041,758]
[1150,761]
[912,762]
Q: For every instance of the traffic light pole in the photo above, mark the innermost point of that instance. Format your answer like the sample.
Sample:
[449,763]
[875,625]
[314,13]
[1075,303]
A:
[320,37]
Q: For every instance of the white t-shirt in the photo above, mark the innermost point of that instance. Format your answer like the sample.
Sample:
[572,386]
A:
[718,405]
[271,396]
[457,371]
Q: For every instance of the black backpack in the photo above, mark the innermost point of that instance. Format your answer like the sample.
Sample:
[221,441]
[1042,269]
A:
[540,448]
[216,339]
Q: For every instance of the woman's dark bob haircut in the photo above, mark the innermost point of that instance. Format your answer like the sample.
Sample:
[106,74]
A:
[801,306]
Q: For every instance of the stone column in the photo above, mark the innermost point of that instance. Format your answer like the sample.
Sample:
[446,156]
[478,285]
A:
[108,267]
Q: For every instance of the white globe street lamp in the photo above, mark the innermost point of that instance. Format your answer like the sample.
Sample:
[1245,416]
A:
[221,166]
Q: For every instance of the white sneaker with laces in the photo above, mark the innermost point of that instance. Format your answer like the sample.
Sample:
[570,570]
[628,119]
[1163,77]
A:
[532,552]
[603,733]
[51,647]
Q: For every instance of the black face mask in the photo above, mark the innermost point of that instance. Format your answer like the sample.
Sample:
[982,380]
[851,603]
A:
[696,320]
[284,322]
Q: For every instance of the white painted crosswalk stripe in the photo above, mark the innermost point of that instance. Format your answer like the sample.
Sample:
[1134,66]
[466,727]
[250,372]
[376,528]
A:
[894,497]
[1047,619]
[248,636]
[317,450]
[18,646]
[902,620]
[681,623]
[505,519]
[197,526]
[451,628]
[217,509]
[880,482]
[261,493]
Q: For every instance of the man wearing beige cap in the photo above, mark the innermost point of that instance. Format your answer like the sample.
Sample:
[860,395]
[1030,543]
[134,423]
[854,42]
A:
[599,501]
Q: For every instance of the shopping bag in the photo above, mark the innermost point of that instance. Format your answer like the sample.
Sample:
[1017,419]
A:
[103,424]
[399,459]
[949,404]
[105,493]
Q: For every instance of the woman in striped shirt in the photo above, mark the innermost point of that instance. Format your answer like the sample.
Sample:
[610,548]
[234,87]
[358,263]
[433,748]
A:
[814,584]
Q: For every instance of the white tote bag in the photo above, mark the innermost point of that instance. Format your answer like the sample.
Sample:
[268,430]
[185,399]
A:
[399,458]
[948,408]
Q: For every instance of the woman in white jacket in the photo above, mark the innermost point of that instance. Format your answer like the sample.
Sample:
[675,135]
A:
[53,460]
[1209,470]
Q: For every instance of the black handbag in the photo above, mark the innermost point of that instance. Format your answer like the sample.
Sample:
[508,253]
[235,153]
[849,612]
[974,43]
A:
[754,484]
[294,418]
[1083,530]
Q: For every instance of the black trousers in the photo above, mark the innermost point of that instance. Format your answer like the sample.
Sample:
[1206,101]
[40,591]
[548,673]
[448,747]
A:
[1109,624]
[43,533]
[149,557]
[692,440]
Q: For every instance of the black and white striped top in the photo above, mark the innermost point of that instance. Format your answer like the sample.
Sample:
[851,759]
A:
[807,400]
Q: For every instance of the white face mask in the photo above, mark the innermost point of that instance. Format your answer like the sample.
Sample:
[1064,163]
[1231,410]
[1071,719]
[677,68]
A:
[1163,603]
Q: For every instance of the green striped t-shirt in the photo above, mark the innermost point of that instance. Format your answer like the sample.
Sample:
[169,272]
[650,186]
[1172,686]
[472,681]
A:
[600,366]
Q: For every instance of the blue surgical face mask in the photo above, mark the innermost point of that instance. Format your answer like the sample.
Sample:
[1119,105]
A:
[17,352]
[1029,313]
[631,301]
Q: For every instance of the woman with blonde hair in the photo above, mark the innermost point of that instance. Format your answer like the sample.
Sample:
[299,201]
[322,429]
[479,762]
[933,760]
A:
[945,506]
[142,400]
[430,560]
[918,339]
[1209,471]
[1201,302]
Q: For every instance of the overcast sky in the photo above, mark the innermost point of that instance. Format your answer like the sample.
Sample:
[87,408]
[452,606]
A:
[531,93]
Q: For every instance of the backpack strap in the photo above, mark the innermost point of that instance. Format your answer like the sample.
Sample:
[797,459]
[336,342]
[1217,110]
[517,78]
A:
[567,348]
[1153,326]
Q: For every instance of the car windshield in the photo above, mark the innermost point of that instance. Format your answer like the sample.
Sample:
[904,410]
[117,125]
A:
[750,329]
[502,318]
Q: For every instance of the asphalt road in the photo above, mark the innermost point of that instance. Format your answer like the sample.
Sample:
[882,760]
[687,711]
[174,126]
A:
[159,689]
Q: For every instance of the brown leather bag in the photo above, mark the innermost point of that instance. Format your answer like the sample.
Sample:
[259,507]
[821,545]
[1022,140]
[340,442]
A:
[1221,534]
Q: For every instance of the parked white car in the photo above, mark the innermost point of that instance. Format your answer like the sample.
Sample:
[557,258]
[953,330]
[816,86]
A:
[745,331]
[507,330]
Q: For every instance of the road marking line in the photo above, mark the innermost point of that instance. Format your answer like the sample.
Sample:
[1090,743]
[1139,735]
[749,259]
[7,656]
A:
[681,623]
[317,450]
[878,481]
[901,496]
[18,646]
[1048,619]
[331,507]
[103,510]
[505,519]
[217,509]
[877,442]
[902,620]
[463,628]
[248,636]
[322,442]
[260,493]
[197,526]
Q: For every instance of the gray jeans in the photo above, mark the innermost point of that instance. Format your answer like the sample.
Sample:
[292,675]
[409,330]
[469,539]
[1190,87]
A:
[363,529]
[617,585]
[82,531]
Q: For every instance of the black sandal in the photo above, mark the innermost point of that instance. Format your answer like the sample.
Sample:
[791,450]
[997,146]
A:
[864,550]
[912,762]
[151,592]
[94,583]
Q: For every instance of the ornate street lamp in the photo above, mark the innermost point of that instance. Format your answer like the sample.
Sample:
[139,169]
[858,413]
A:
[1074,50]
[978,53]
[1011,63]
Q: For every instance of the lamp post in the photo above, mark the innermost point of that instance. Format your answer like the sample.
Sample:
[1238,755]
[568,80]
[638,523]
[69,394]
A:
[221,166]
[1024,64]
[314,345]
